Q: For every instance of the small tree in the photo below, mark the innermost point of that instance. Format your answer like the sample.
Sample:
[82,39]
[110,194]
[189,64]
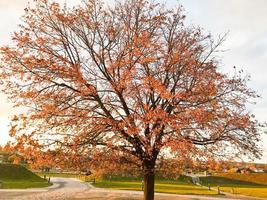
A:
[131,78]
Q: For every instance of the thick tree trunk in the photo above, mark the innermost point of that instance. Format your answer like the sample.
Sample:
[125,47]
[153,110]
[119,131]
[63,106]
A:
[149,184]
[149,179]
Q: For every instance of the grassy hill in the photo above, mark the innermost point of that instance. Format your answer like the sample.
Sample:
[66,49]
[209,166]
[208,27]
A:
[245,184]
[260,178]
[182,185]
[16,176]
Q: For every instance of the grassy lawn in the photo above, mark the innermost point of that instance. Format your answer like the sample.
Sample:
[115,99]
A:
[260,178]
[180,186]
[18,177]
[237,186]
[14,184]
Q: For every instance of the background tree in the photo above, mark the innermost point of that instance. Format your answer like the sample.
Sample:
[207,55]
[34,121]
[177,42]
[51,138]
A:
[9,155]
[131,78]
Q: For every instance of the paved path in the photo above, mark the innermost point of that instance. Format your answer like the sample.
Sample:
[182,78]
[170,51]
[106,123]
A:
[108,194]
[73,189]
[63,188]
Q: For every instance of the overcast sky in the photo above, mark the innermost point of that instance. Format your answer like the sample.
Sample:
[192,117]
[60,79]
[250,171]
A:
[246,43]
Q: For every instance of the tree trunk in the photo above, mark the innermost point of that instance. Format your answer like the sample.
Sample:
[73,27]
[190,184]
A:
[149,184]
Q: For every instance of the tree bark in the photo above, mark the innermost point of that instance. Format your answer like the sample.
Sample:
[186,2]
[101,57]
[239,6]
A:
[149,184]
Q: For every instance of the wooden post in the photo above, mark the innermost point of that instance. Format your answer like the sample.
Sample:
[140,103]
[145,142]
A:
[94,181]
[142,185]
[209,186]
[219,192]
[45,177]
[49,180]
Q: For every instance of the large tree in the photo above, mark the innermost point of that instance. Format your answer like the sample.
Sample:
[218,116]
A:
[130,78]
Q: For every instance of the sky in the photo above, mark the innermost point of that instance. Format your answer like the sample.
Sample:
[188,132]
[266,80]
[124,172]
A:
[245,47]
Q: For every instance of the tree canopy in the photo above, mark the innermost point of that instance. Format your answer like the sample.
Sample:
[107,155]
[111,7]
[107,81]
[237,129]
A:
[130,78]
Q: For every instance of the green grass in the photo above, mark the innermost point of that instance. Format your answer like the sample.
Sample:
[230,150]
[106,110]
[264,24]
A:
[184,186]
[18,177]
[223,181]
[237,186]
[13,184]
[180,186]
[260,178]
